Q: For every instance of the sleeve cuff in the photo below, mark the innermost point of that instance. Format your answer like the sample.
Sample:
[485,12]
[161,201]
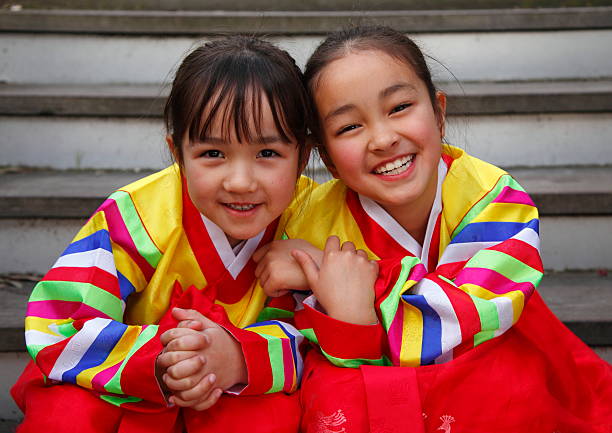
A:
[139,379]
[345,340]
[255,351]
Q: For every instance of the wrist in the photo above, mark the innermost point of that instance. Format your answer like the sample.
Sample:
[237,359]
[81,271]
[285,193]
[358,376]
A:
[365,316]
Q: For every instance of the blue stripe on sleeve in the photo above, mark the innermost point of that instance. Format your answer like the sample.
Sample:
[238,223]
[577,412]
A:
[493,231]
[290,336]
[432,328]
[97,353]
[125,287]
[99,239]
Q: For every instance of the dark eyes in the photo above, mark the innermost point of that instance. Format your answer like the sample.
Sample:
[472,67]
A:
[213,153]
[400,107]
[347,129]
[267,153]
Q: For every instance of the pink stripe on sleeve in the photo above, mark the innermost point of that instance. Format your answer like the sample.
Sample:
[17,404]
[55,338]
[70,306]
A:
[53,309]
[103,377]
[289,370]
[509,195]
[492,281]
[120,235]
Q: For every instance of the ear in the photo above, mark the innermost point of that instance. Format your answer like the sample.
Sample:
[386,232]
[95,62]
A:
[327,161]
[171,147]
[441,115]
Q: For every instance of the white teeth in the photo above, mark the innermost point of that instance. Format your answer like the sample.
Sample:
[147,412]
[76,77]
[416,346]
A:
[398,166]
[241,207]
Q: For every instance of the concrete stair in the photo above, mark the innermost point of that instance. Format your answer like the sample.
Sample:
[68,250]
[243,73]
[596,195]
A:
[83,83]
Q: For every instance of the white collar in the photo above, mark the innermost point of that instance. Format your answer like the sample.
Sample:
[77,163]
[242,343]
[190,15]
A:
[397,232]
[234,263]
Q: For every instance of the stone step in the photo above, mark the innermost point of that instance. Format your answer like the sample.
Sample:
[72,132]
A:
[311,22]
[469,98]
[557,191]
[275,5]
[41,211]
[471,56]
[137,143]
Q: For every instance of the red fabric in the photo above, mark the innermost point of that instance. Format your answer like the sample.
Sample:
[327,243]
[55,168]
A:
[538,377]
[66,408]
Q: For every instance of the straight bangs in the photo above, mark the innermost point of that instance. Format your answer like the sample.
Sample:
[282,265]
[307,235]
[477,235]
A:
[233,97]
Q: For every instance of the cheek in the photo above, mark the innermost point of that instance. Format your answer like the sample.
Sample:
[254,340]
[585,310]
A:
[346,157]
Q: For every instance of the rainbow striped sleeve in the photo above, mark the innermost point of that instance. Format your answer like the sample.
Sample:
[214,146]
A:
[74,328]
[272,350]
[483,280]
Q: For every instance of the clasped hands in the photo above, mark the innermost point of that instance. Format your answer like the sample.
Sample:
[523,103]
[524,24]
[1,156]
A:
[201,359]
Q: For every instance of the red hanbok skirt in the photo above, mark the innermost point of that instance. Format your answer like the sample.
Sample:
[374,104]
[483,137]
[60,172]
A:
[538,377]
[67,408]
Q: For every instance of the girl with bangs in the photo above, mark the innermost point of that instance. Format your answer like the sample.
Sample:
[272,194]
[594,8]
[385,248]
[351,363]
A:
[105,326]
[423,263]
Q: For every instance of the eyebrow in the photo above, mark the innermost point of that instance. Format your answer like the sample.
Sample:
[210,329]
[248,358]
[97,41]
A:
[219,141]
[395,88]
[385,93]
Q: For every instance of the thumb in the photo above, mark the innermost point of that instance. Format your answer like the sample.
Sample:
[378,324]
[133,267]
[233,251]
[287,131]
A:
[182,314]
[308,265]
[258,255]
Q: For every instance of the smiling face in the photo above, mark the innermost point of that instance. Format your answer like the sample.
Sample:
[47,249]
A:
[380,131]
[241,186]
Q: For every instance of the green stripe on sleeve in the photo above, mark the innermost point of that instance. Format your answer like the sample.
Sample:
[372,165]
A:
[310,335]
[269,313]
[506,265]
[357,362]
[388,307]
[84,293]
[114,384]
[275,351]
[141,238]
[505,180]
[487,310]
[118,401]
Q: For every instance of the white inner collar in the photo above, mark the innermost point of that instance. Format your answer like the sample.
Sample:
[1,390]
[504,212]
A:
[397,232]
[234,259]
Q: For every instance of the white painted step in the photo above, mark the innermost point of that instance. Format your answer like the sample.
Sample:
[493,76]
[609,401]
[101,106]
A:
[132,143]
[477,56]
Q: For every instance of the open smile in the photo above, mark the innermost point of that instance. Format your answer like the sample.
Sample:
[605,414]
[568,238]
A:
[241,207]
[395,167]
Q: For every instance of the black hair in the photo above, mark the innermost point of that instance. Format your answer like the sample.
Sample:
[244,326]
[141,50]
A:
[229,77]
[368,38]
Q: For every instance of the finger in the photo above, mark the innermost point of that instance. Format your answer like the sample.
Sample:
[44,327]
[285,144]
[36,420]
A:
[189,314]
[174,333]
[362,253]
[211,401]
[308,265]
[332,244]
[348,246]
[258,255]
[185,368]
[168,359]
[183,384]
[201,391]
[196,325]
[195,341]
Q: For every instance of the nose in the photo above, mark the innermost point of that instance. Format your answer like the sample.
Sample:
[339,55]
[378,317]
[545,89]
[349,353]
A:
[383,137]
[240,178]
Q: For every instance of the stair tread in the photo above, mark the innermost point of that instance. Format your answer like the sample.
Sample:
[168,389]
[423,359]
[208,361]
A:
[76,194]
[293,5]
[138,100]
[312,21]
